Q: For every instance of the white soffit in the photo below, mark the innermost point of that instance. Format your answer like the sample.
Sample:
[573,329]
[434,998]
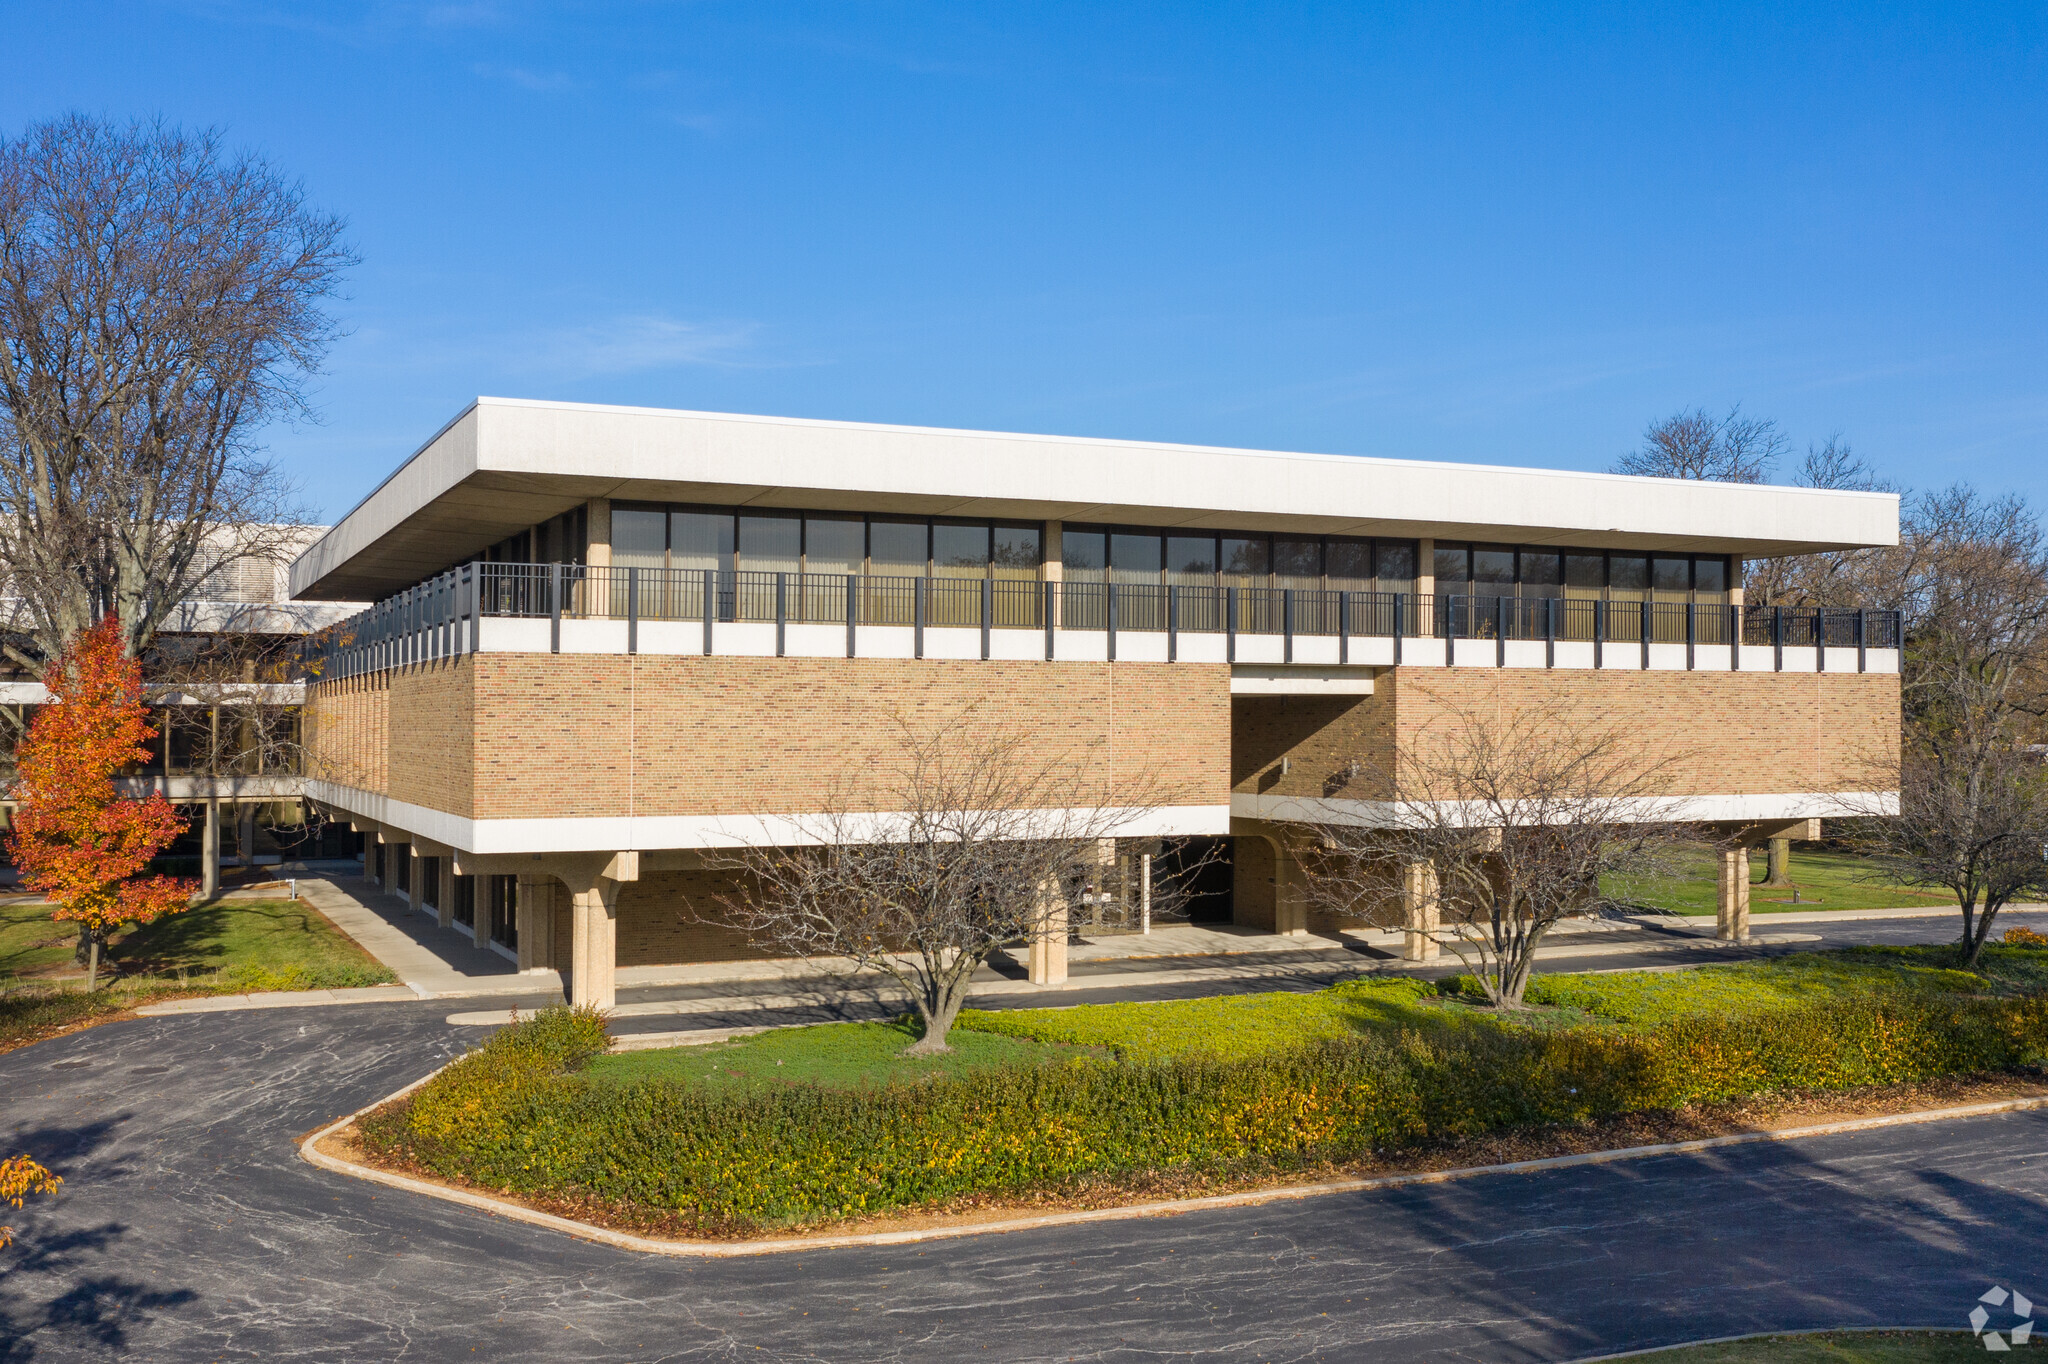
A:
[507,463]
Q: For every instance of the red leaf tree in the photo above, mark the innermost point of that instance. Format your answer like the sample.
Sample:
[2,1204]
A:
[76,838]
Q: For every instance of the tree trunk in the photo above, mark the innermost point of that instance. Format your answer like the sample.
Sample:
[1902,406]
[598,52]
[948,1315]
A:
[950,995]
[92,972]
[82,954]
[1778,863]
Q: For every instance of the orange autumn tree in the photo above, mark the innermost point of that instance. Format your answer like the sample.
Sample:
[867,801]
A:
[76,838]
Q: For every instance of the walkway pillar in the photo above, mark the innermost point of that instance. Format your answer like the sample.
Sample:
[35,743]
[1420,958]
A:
[1290,892]
[1421,911]
[209,851]
[1731,923]
[592,976]
[1048,964]
[444,894]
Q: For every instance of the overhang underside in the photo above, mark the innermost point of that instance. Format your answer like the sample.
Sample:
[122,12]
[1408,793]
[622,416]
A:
[461,523]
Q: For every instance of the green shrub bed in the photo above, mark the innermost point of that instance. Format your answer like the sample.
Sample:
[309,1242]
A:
[517,1115]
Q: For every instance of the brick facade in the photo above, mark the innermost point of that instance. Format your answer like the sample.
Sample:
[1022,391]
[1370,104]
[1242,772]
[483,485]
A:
[498,736]
[1724,733]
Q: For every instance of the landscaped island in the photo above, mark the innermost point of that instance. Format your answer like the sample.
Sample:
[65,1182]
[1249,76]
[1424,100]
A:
[804,1127]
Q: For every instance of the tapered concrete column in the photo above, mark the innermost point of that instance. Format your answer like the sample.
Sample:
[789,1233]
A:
[1732,919]
[245,835]
[415,877]
[1048,958]
[535,921]
[592,976]
[1422,912]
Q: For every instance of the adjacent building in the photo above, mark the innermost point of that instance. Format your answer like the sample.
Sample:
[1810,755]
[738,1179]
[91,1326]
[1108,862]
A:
[607,640]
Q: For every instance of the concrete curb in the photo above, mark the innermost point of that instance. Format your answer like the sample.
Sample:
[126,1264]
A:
[308,1150]
[282,999]
[1772,1335]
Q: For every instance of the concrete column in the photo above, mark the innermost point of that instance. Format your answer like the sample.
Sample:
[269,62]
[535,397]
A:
[535,922]
[1732,920]
[1290,892]
[444,894]
[209,851]
[1422,912]
[592,976]
[1048,964]
[1055,567]
[1144,892]
[245,835]
[1425,568]
[415,878]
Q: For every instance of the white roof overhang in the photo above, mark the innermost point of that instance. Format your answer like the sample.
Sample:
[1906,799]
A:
[505,464]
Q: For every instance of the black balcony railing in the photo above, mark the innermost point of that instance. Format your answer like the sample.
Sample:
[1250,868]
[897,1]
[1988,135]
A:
[443,616]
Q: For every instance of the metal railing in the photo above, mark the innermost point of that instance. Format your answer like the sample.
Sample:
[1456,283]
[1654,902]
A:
[442,617]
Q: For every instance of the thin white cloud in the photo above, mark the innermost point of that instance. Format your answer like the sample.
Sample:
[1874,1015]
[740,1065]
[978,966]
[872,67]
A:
[635,344]
[539,82]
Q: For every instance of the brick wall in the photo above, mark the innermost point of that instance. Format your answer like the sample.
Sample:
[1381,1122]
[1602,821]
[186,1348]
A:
[497,736]
[607,735]
[1723,733]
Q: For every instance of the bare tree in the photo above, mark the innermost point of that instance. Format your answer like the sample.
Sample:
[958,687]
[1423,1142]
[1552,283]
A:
[1972,581]
[981,840]
[1507,819]
[1694,444]
[1973,820]
[161,299]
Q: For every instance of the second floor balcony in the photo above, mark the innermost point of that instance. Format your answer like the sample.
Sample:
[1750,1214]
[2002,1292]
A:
[571,608]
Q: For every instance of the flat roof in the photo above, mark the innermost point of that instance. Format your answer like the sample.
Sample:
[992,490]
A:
[507,463]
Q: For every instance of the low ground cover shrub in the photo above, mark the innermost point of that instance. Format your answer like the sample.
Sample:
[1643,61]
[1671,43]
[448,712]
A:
[519,1116]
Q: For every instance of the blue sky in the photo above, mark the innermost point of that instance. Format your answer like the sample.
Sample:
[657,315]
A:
[1502,233]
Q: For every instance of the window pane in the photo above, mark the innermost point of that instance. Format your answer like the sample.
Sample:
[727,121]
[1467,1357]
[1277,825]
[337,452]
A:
[1712,574]
[1134,558]
[1298,563]
[770,544]
[1452,568]
[1084,554]
[699,540]
[1584,575]
[897,549]
[1671,577]
[1493,572]
[1395,565]
[1349,565]
[1017,551]
[639,538]
[1191,559]
[1246,559]
[1627,573]
[960,551]
[833,546]
[1541,572]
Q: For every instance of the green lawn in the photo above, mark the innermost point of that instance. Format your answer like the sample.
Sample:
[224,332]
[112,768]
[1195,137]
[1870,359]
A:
[1824,880]
[227,947]
[242,944]
[1238,1026]
[1834,1347]
[833,1055]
